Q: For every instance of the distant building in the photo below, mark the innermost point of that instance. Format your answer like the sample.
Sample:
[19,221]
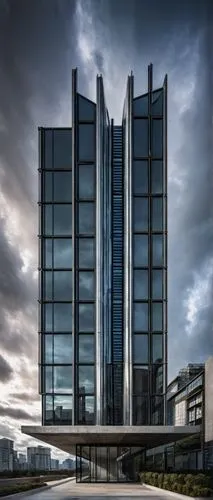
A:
[39,458]
[69,463]
[6,454]
[54,464]
[22,461]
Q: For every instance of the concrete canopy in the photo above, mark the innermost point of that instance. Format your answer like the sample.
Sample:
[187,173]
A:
[66,437]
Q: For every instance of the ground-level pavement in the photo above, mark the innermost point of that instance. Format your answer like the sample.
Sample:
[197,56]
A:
[74,491]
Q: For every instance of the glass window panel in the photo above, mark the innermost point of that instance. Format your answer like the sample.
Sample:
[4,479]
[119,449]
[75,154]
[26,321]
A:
[157,410]
[63,253]
[157,316]
[48,186]
[140,316]
[63,317]
[47,317]
[140,250]
[47,285]
[140,284]
[63,409]
[140,349]
[157,379]
[48,149]
[157,284]
[48,379]
[140,138]
[157,102]
[157,250]
[86,218]
[140,105]
[48,220]
[48,348]
[48,406]
[62,379]
[62,187]
[140,379]
[86,318]
[157,214]
[86,181]
[157,348]
[63,148]
[140,214]
[140,177]
[86,142]
[86,253]
[86,410]
[86,109]
[157,176]
[140,410]
[47,253]
[86,348]
[63,220]
[62,349]
[62,285]
[86,283]
[86,379]
[157,138]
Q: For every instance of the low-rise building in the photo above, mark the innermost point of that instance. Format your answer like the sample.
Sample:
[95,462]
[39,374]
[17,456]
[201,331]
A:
[39,458]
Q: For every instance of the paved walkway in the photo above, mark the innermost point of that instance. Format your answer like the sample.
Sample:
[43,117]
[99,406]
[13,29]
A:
[74,491]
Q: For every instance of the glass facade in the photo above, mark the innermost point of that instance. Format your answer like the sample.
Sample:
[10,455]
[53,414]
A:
[103,263]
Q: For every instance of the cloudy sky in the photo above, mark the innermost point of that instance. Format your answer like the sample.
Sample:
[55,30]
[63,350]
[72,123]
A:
[40,42]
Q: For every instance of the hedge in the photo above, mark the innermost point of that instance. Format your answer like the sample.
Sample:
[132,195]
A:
[193,485]
[18,488]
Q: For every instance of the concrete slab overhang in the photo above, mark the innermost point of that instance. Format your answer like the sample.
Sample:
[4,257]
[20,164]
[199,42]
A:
[66,437]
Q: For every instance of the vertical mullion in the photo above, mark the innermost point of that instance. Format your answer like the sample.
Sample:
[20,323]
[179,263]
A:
[150,237]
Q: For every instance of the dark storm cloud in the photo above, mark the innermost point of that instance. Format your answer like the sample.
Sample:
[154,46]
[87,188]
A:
[25,396]
[6,370]
[16,413]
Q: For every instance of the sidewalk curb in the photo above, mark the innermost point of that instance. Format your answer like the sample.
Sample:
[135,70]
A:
[37,490]
[172,493]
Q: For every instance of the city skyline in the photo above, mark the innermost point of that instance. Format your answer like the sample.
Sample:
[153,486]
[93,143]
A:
[43,97]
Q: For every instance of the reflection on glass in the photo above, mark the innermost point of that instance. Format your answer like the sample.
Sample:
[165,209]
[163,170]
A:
[48,219]
[86,410]
[47,317]
[62,220]
[157,379]
[157,177]
[47,246]
[157,138]
[157,214]
[86,317]
[48,377]
[140,131]
[157,284]
[48,186]
[86,142]
[48,407]
[157,250]
[140,284]
[157,348]
[140,379]
[86,182]
[48,348]
[140,214]
[62,379]
[86,253]
[63,148]
[157,102]
[86,283]
[140,106]
[62,285]
[86,348]
[140,410]
[157,410]
[86,218]
[86,109]
[63,409]
[86,379]
[62,187]
[62,317]
[48,285]
[140,316]
[140,177]
[157,316]
[48,159]
[140,349]
[63,349]
[140,250]
[63,253]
